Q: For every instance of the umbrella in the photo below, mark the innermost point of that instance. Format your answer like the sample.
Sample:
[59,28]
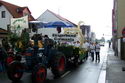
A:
[59,24]
[37,24]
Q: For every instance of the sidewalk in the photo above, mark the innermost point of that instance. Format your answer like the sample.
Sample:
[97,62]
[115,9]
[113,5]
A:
[114,69]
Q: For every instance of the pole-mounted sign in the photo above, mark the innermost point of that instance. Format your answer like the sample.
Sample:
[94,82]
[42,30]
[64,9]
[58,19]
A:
[123,32]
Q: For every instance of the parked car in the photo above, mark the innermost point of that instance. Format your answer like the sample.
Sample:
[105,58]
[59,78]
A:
[102,43]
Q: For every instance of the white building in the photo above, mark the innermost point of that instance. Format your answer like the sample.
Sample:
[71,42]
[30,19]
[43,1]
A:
[49,16]
[93,37]
[8,11]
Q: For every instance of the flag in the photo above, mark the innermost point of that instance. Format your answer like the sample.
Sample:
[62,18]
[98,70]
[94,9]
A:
[19,23]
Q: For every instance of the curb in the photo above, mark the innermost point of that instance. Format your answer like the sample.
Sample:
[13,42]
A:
[102,76]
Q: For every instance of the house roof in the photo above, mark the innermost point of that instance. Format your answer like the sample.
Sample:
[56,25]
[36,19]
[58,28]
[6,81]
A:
[61,18]
[16,11]
[3,31]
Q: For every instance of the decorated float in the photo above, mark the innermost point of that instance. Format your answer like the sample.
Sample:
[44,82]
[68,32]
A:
[55,54]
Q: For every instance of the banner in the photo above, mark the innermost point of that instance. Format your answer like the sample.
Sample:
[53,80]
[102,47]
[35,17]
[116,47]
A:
[64,37]
[18,24]
[77,32]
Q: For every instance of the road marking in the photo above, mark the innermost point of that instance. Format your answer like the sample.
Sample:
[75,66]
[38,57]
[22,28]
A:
[102,77]
[65,74]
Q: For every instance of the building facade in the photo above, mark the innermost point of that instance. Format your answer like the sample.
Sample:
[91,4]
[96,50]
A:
[8,11]
[5,17]
[93,37]
[49,16]
[86,31]
[118,24]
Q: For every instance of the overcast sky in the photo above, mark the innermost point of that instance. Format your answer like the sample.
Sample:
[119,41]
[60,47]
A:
[96,13]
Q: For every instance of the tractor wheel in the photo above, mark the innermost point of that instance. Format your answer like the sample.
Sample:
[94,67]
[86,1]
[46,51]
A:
[15,71]
[76,61]
[58,64]
[39,74]
[9,59]
[81,61]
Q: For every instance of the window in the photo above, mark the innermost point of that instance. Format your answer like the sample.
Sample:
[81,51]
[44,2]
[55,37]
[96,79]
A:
[3,14]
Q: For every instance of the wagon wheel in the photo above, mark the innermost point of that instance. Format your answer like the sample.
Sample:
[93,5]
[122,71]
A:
[39,74]
[59,64]
[76,60]
[15,71]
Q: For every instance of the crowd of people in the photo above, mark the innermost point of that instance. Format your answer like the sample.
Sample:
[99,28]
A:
[92,49]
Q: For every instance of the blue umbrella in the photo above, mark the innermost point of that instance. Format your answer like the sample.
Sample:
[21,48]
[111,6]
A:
[59,24]
[37,24]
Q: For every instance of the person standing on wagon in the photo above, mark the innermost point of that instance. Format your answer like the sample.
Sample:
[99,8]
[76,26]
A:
[97,51]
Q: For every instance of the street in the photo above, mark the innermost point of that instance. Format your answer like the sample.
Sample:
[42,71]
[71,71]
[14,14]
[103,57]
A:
[87,72]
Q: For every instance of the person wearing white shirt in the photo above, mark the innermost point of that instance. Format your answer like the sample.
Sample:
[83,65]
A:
[92,50]
[97,52]
[86,45]
[77,44]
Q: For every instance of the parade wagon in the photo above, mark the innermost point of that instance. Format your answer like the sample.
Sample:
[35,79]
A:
[35,60]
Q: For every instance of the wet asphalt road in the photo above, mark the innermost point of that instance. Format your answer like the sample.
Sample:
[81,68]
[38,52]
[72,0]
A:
[87,72]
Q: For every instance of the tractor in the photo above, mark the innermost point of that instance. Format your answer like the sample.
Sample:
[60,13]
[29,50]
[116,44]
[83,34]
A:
[36,61]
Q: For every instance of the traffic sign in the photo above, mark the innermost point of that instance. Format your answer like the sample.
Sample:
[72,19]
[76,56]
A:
[123,32]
